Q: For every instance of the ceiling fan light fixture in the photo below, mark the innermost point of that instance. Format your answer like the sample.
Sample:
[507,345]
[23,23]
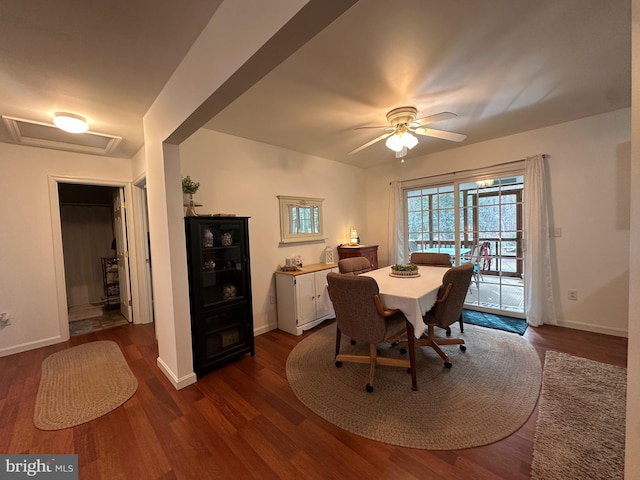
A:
[70,122]
[409,140]
[394,142]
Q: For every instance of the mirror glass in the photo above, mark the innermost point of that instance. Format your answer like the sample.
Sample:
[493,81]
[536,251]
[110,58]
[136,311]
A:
[300,219]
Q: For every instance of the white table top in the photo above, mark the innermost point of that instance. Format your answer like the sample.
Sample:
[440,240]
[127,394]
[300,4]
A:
[413,295]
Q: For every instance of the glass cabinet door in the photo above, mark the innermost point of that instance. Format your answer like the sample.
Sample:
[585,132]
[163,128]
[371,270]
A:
[222,261]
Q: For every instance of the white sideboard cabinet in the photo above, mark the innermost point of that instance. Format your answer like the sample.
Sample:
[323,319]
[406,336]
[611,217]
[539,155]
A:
[302,298]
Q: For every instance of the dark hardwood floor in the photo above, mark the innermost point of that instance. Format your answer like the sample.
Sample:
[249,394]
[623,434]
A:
[243,421]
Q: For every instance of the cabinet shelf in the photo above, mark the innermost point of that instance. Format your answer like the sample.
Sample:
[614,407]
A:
[219,291]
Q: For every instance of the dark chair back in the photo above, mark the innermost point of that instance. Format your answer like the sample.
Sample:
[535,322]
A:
[354,265]
[448,307]
[431,259]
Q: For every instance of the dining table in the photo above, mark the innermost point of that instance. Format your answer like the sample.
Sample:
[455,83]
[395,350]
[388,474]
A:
[413,295]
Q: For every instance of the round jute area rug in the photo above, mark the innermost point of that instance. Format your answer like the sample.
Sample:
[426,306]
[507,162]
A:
[488,394]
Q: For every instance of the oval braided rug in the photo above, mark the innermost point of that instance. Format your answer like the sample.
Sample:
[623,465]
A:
[81,384]
[488,394]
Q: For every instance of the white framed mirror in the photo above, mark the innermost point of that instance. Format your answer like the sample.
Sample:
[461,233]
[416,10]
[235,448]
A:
[300,219]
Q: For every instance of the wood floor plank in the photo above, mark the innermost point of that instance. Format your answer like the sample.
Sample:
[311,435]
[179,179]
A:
[243,421]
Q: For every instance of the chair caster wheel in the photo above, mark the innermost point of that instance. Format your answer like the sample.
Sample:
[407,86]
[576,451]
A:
[463,348]
[353,342]
[448,332]
[338,363]
[448,364]
[369,388]
[403,351]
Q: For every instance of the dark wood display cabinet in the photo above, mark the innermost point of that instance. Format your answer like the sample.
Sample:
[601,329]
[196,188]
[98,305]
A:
[219,290]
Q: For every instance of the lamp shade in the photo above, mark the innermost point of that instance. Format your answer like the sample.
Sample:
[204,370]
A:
[70,122]
[400,140]
[394,142]
[409,140]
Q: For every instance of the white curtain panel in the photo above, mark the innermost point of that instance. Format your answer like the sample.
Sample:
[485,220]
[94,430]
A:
[539,302]
[87,233]
[396,224]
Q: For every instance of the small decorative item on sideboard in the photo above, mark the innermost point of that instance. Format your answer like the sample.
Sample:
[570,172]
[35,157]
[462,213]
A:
[328,255]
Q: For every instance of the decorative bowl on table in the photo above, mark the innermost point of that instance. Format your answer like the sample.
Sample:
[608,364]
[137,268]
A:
[404,270]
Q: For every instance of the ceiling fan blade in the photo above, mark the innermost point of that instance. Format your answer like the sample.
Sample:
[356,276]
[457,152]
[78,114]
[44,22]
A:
[381,137]
[438,117]
[387,127]
[430,132]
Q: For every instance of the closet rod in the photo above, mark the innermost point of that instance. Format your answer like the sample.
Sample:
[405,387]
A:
[544,155]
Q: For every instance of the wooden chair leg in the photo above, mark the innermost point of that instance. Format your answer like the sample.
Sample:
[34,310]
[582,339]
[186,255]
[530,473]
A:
[373,353]
[411,340]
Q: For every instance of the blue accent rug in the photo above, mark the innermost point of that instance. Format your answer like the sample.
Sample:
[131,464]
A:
[499,322]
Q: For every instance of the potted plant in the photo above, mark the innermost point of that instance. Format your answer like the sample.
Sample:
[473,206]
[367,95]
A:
[189,187]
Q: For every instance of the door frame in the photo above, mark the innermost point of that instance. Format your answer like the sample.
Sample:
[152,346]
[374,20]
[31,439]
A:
[143,312]
[58,251]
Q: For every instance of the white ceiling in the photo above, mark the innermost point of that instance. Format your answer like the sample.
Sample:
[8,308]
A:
[105,60]
[503,66]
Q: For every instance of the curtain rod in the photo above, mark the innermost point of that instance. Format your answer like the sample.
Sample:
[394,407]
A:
[544,155]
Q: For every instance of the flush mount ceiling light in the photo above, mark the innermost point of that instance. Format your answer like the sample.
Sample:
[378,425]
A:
[70,122]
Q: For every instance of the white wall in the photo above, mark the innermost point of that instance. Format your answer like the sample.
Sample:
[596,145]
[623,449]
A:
[632,445]
[244,177]
[29,287]
[209,63]
[589,168]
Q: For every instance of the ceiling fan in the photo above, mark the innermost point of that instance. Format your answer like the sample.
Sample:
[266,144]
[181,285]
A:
[403,124]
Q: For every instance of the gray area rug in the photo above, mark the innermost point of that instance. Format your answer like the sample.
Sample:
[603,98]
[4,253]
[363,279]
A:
[488,394]
[581,420]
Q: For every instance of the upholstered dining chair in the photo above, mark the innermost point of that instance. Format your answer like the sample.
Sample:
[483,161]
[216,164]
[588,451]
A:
[361,315]
[446,311]
[431,259]
[354,265]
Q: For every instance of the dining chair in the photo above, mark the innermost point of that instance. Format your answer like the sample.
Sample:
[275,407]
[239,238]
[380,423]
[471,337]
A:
[446,311]
[354,265]
[431,259]
[361,315]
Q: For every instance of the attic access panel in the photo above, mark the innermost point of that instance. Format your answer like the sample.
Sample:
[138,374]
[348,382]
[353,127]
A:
[38,134]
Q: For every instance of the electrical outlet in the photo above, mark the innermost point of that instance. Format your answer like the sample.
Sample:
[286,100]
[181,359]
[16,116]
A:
[573,295]
[272,299]
[557,232]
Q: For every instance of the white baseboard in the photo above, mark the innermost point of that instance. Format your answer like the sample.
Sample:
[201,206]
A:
[32,345]
[265,329]
[178,383]
[617,332]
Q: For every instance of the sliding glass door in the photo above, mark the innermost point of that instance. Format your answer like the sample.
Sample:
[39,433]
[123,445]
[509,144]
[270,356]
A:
[478,221]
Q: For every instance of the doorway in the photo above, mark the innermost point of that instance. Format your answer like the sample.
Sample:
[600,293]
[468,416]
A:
[96,279]
[480,221]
